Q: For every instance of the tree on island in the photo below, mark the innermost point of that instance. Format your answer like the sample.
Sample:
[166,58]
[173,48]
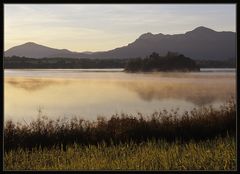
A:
[171,62]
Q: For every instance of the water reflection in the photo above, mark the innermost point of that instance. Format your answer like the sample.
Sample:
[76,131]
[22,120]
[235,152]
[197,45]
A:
[102,94]
[31,84]
[195,92]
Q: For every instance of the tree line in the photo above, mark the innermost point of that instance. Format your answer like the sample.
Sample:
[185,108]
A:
[16,62]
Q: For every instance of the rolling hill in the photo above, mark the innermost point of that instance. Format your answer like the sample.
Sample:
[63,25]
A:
[201,43]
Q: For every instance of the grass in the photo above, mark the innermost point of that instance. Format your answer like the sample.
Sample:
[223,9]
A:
[202,139]
[215,154]
[198,124]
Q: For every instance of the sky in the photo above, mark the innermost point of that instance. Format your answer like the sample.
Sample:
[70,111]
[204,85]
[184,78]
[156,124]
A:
[98,27]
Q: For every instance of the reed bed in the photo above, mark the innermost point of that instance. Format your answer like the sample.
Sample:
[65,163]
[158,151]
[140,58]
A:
[199,124]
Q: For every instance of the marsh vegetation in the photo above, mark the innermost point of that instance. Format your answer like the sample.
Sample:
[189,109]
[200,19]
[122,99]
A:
[200,139]
[198,124]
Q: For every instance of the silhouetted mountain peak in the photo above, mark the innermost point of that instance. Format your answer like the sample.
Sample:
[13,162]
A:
[30,43]
[202,30]
[159,34]
[146,36]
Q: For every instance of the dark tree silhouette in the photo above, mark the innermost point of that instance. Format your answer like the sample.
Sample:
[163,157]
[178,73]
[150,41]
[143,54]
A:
[171,62]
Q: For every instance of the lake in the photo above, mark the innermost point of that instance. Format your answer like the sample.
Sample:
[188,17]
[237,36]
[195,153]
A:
[89,93]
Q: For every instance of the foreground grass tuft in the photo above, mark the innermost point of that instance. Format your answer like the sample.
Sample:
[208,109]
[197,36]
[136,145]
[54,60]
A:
[215,154]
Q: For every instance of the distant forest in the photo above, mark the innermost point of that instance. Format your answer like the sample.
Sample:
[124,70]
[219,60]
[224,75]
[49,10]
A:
[61,63]
[16,62]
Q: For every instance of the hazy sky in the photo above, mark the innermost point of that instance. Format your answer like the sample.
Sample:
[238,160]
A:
[99,27]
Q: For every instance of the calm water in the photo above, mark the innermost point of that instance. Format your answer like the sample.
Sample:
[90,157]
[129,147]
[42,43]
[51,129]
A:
[92,93]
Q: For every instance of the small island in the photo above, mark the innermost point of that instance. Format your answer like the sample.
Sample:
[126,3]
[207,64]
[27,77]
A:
[170,62]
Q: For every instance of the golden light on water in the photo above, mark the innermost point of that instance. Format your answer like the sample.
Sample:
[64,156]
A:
[107,93]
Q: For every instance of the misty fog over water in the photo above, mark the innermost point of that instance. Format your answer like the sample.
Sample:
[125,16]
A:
[92,93]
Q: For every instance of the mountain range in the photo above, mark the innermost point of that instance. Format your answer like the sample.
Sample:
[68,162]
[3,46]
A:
[201,43]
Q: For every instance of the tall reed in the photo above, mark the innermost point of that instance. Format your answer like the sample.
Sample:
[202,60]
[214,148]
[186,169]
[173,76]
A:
[198,124]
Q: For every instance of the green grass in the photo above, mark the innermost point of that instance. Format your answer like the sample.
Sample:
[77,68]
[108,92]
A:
[213,154]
